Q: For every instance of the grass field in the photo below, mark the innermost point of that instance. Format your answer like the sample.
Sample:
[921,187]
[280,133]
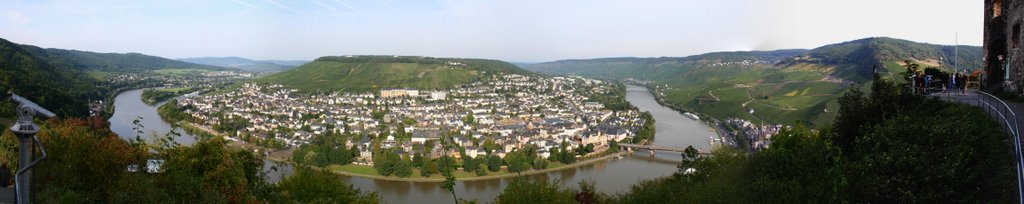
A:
[98,75]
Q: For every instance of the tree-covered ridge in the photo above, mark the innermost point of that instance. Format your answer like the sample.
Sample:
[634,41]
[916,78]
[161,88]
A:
[372,73]
[873,51]
[63,90]
[662,68]
[59,79]
[108,62]
[783,86]
[859,55]
[473,64]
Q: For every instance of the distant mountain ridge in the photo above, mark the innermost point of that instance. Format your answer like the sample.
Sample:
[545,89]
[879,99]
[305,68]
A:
[247,64]
[783,86]
[654,68]
[59,80]
[111,62]
[371,73]
[861,55]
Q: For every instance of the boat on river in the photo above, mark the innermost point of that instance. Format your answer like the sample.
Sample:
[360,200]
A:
[691,115]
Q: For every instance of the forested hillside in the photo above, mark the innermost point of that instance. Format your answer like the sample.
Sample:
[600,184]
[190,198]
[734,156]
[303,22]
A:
[371,73]
[784,86]
[108,62]
[62,80]
[65,91]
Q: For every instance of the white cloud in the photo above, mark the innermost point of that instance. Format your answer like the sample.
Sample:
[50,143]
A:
[17,17]
[275,3]
[247,4]
[325,6]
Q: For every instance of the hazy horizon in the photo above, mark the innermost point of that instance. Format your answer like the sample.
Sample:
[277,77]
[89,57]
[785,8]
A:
[516,31]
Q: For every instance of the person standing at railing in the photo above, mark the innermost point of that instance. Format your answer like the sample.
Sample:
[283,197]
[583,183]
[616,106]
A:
[962,82]
[951,87]
[927,85]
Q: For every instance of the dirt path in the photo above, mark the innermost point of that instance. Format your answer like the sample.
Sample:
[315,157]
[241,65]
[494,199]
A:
[713,96]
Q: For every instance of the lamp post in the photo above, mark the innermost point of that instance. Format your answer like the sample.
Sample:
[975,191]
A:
[25,129]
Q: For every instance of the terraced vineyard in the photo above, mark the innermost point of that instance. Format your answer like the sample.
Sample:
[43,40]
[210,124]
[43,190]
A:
[371,73]
[784,86]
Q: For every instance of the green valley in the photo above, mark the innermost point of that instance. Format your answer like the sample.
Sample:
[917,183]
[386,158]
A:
[783,86]
[67,80]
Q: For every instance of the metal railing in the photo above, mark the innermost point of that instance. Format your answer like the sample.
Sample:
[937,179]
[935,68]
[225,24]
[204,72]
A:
[999,110]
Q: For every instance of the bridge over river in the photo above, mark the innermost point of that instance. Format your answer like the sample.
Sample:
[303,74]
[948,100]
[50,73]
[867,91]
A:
[652,148]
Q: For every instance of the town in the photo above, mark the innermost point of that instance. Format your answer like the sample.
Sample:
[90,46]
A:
[496,115]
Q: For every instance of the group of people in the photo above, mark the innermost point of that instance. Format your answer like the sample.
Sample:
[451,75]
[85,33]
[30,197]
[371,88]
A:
[946,82]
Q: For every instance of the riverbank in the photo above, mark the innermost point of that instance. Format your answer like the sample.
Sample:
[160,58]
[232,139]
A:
[365,171]
[714,125]
[369,172]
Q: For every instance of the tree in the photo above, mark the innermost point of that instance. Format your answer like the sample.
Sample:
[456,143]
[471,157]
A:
[469,119]
[567,157]
[429,168]
[310,186]
[384,162]
[613,146]
[852,115]
[354,151]
[494,163]
[690,156]
[911,67]
[403,168]
[522,190]
[417,159]
[469,164]
[555,154]
[540,163]
[517,162]
[481,170]
[490,145]
[588,194]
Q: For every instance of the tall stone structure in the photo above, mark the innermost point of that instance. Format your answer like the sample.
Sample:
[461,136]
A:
[1004,56]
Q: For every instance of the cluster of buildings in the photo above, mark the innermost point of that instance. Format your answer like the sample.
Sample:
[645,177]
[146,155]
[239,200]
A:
[742,63]
[759,136]
[432,95]
[504,111]
[200,79]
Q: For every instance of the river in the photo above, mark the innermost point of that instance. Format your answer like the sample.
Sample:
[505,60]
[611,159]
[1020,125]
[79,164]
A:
[612,176]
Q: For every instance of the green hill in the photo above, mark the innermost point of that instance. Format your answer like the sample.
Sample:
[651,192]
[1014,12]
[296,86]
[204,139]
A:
[370,73]
[63,80]
[108,62]
[782,86]
[63,90]
[663,68]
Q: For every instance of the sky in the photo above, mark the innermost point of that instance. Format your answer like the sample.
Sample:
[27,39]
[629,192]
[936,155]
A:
[510,30]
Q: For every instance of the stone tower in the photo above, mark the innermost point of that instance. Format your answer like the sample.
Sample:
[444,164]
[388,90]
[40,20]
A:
[1003,53]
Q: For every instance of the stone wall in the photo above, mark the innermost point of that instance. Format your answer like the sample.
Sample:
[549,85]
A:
[1004,30]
